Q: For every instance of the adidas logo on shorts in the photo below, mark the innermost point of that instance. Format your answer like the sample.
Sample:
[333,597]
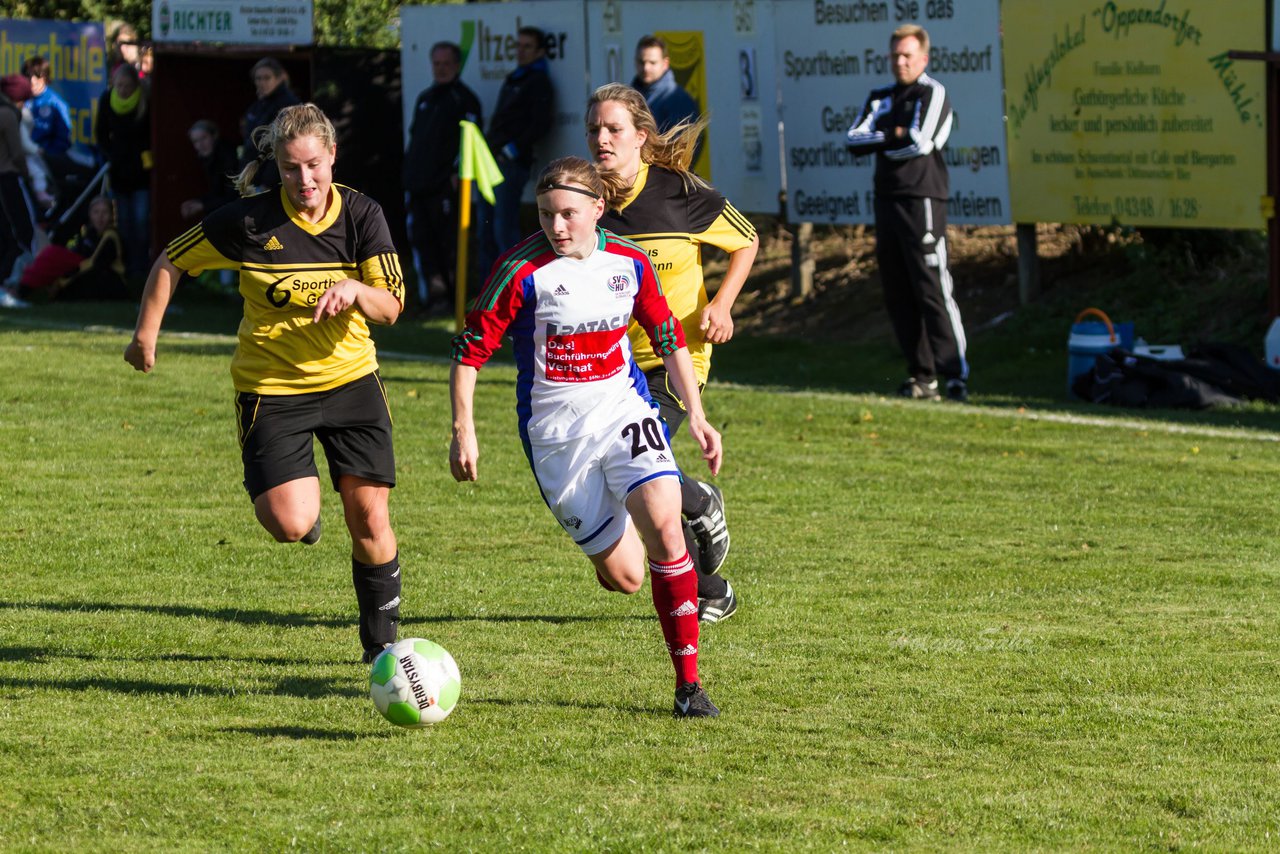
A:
[685,610]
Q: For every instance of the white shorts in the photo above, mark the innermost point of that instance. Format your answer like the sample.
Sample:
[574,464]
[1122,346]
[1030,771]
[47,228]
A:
[586,480]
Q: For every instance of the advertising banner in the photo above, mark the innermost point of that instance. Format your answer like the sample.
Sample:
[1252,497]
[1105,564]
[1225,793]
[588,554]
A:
[268,22]
[722,54]
[1133,113]
[832,53]
[486,32]
[77,65]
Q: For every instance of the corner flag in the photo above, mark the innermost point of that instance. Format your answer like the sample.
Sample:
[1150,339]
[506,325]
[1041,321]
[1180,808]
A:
[476,163]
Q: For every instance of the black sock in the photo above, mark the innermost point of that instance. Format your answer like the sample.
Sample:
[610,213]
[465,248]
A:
[378,595]
[693,498]
[709,586]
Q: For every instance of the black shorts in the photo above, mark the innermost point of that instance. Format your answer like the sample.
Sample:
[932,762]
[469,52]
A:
[670,406]
[352,422]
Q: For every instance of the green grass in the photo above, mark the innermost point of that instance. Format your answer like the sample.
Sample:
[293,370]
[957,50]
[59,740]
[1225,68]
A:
[978,627]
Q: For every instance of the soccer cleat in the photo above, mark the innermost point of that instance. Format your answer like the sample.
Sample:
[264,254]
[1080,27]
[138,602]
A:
[916,390]
[711,532]
[717,610]
[957,391]
[371,654]
[693,702]
[312,537]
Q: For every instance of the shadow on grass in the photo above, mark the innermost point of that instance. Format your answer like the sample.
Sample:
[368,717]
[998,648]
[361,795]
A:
[292,687]
[298,733]
[277,618]
[539,702]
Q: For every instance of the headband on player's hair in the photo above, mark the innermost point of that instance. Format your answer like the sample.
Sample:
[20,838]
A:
[551,185]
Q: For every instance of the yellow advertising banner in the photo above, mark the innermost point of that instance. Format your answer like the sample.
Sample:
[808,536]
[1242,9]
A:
[1131,112]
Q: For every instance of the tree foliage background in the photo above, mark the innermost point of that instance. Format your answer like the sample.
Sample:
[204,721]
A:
[338,23]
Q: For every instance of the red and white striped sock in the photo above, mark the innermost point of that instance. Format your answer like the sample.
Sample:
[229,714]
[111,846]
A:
[675,597]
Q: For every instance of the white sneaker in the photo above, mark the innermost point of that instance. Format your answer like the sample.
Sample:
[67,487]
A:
[8,300]
[15,273]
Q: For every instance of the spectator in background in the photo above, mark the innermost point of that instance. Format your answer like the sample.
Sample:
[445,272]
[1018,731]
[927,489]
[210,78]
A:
[431,171]
[90,267]
[146,60]
[51,118]
[523,115]
[218,161]
[906,125]
[124,137]
[271,82]
[669,103]
[17,228]
[124,47]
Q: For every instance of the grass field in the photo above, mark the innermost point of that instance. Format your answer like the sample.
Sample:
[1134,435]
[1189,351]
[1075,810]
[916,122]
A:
[1019,624]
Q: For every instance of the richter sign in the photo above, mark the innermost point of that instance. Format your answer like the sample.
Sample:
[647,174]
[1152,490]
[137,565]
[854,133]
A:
[274,22]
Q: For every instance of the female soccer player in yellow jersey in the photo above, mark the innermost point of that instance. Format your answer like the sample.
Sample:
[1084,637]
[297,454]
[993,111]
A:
[672,214]
[317,266]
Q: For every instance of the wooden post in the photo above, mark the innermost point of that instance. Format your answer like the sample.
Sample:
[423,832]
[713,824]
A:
[1028,263]
[802,263]
[464,241]
[1271,58]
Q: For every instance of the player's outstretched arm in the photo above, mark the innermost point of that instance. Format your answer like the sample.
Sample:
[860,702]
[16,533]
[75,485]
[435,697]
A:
[717,315]
[161,283]
[379,305]
[680,368]
[464,450]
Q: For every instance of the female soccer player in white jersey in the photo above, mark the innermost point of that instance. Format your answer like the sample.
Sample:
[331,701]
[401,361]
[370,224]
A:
[317,266]
[602,459]
[672,213]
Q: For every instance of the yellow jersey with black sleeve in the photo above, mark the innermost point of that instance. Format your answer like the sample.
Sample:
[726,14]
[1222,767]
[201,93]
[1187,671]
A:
[285,264]
[671,222]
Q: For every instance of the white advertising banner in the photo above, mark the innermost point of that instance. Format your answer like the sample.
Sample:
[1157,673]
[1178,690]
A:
[722,53]
[831,53]
[271,22]
[486,32]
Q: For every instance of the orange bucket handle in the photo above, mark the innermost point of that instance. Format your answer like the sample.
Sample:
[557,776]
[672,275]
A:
[1111,330]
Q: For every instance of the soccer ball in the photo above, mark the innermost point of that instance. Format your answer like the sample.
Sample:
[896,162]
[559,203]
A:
[415,683]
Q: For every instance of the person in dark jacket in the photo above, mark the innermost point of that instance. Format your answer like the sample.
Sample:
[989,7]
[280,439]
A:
[905,125]
[218,162]
[669,103]
[523,115]
[17,232]
[431,170]
[271,82]
[124,136]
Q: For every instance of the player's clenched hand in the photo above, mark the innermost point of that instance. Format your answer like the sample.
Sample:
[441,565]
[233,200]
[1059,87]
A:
[141,356]
[337,299]
[464,454]
[708,440]
[716,323]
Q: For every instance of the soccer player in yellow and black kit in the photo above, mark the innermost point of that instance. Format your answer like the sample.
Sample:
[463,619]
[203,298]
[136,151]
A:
[316,267]
[671,213]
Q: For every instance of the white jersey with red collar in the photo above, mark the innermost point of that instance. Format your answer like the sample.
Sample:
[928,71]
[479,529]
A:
[568,319]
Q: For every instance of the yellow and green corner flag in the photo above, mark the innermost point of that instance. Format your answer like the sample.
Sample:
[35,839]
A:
[476,164]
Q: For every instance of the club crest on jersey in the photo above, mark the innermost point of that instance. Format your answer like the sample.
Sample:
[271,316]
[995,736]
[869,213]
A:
[273,244]
[620,285]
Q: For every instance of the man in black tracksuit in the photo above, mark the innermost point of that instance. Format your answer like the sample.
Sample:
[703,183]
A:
[431,170]
[525,113]
[906,126]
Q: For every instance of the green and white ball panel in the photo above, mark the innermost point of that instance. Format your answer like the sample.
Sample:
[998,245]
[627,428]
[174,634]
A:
[415,683]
